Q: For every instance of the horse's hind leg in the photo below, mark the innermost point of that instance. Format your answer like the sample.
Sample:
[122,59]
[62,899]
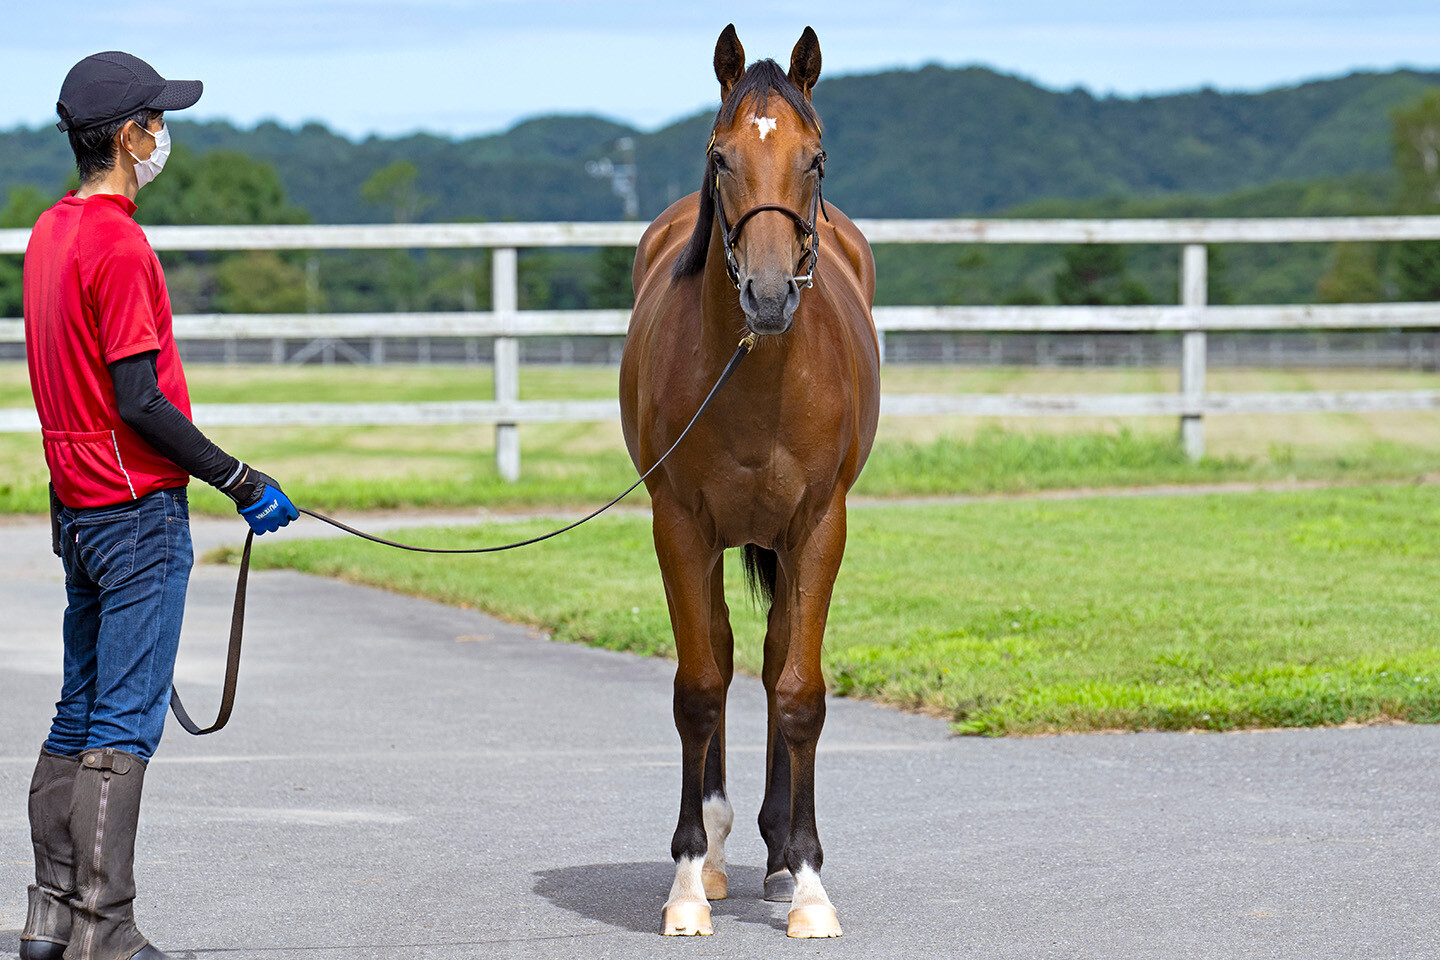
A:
[718,814]
[775,809]
[686,562]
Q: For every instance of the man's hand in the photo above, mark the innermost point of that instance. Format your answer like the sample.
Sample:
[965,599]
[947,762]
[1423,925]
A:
[259,499]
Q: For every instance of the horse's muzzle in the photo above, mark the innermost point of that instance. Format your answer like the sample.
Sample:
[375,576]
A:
[769,303]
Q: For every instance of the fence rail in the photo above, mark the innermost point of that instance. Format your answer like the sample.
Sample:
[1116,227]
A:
[551,323]
[505,322]
[892,405]
[389,236]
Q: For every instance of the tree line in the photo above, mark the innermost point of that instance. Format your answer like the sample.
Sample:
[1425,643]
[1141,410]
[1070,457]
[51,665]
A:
[1357,145]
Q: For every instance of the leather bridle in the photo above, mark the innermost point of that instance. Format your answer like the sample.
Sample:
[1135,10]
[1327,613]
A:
[805,275]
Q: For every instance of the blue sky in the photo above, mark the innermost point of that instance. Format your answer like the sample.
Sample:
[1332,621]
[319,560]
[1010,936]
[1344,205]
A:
[458,67]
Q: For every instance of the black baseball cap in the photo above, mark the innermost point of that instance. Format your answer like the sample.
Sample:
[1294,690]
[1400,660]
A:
[108,86]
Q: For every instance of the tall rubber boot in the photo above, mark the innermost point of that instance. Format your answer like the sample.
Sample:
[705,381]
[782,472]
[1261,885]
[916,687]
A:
[47,924]
[104,813]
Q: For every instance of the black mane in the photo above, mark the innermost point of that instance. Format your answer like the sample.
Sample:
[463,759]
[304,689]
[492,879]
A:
[762,79]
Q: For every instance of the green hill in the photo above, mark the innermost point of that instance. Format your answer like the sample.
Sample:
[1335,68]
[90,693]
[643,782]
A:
[952,142]
[1239,273]
[932,142]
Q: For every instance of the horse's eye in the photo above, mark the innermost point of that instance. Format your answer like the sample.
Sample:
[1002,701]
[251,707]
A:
[719,160]
[818,164]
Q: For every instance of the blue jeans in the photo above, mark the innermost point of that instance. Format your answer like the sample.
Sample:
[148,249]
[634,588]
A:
[126,570]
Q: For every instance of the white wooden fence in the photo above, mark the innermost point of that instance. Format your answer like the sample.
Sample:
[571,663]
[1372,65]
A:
[505,321]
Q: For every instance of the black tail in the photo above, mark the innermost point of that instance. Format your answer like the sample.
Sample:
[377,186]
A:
[761,566]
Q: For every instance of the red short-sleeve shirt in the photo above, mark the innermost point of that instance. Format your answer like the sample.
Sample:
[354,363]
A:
[95,293]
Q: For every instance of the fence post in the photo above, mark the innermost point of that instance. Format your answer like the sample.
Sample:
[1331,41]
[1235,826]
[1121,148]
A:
[1192,352]
[505,299]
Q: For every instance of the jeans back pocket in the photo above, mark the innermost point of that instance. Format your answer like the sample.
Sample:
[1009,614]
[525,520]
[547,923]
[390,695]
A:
[107,547]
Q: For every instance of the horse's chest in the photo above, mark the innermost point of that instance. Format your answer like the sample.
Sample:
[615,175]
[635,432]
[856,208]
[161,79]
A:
[762,497]
[766,460]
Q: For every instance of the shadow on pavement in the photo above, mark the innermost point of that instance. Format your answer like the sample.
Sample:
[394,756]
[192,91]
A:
[632,895]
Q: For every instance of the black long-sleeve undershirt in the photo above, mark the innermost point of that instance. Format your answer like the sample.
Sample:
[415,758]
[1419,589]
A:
[159,423]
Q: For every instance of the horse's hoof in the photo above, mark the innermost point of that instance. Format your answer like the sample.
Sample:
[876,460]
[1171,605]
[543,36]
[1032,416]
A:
[715,882]
[688,918]
[816,920]
[780,887]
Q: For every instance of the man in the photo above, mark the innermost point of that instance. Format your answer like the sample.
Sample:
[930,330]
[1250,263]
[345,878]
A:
[120,446]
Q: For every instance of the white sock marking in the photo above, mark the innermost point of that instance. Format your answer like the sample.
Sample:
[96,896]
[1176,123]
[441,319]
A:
[687,885]
[719,818]
[808,890]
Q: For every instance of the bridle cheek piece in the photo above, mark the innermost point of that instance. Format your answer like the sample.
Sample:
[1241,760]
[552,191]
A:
[805,275]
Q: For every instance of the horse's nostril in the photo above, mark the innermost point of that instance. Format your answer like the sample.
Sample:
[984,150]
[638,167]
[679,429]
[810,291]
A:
[792,300]
[748,301]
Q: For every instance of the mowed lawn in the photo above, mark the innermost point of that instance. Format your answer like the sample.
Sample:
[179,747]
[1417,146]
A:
[576,464]
[1210,612]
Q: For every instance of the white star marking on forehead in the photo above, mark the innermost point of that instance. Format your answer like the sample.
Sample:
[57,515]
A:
[766,124]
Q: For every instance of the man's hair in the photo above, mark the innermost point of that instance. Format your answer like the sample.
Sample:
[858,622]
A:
[94,147]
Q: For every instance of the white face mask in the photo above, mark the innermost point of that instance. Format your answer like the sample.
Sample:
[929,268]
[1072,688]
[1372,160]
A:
[149,168]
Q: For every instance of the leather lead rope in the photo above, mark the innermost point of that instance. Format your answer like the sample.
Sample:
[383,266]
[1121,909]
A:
[237,617]
[232,660]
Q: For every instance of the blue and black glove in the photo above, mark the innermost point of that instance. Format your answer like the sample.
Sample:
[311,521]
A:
[259,499]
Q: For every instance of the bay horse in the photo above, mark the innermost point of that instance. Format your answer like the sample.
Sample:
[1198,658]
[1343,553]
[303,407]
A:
[768,466]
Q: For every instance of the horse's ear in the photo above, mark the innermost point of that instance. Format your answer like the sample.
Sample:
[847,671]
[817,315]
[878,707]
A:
[729,60]
[805,62]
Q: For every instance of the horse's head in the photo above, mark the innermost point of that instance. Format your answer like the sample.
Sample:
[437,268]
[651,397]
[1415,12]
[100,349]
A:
[762,179]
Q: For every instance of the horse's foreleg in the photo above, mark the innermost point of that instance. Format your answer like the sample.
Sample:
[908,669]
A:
[685,564]
[800,702]
[775,809]
[719,816]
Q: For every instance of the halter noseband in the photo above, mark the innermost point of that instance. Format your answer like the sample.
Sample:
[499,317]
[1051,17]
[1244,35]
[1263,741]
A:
[810,228]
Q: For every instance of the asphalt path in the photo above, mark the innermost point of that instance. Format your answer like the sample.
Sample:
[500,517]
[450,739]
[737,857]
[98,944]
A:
[406,779]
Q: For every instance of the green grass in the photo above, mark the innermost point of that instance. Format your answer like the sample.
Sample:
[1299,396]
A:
[375,468]
[1001,461]
[1216,612]
[372,468]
